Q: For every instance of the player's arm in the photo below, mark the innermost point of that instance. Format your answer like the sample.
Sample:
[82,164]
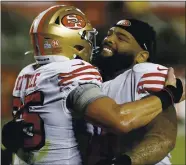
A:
[105,112]
[158,141]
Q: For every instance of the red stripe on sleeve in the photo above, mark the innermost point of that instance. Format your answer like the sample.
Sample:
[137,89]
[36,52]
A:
[77,75]
[154,74]
[78,70]
[153,89]
[144,90]
[89,78]
[142,83]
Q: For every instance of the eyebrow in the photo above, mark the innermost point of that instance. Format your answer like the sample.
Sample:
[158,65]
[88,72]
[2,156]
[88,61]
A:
[110,30]
[118,33]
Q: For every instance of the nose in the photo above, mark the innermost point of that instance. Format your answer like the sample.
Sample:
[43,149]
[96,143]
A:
[109,40]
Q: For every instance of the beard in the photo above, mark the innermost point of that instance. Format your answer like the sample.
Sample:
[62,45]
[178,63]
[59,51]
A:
[110,66]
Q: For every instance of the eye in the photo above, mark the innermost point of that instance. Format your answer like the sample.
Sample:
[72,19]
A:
[109,33]
[121,38]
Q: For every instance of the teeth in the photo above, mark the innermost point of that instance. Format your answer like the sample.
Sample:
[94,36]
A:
[106,49]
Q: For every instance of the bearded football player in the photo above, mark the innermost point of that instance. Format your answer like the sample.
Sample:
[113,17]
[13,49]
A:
[124,62]
[54,97]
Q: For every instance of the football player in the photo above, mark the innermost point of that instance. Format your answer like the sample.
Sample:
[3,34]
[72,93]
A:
[53,97]
[131,44]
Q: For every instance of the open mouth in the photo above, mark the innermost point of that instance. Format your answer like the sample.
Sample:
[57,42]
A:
[108,50]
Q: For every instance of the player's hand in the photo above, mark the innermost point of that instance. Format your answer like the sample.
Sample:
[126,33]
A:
[174,86]
[14,133]
[171,79]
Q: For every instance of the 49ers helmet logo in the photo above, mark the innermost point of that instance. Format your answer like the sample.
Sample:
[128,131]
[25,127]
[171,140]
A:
[124,23]
[73,21]
[55,43]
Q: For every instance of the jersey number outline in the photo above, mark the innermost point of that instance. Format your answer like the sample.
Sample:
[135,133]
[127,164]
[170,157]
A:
[34,99]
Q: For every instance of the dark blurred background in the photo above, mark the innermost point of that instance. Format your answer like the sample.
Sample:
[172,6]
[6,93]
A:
[167,18]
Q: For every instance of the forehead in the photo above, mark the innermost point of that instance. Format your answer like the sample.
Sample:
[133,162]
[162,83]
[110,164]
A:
[121,31]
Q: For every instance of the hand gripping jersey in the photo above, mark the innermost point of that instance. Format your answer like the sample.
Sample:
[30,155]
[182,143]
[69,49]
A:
[136,83]
[43,93]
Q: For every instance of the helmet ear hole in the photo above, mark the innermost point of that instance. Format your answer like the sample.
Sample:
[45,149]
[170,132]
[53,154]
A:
[57,21]
[79,47]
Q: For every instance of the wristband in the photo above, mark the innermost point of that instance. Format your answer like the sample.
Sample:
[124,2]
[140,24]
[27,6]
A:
[170,94]
[165,97]
[176,91]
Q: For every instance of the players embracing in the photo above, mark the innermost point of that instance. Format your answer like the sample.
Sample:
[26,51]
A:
[56,96]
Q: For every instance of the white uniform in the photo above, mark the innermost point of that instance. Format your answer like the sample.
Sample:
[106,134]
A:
[134,84]
[45,91]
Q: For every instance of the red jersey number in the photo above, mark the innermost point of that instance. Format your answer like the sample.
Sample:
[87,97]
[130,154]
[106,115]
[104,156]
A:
[34,99]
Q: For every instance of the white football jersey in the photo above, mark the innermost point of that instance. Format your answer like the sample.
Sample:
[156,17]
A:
[136,83]
[43,93]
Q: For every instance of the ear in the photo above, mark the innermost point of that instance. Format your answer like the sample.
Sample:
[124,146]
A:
[141,57]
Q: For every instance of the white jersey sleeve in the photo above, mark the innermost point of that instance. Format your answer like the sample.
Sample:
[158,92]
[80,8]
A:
[80,72]
[136,83]
[148,77]
[56,80]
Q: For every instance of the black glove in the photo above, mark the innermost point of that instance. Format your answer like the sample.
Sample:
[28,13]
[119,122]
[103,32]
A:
[14,133]
[176,91]
[170,94]
[119,160]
